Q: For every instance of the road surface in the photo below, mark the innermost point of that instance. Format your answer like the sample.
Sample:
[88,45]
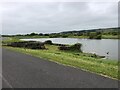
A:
[24,71]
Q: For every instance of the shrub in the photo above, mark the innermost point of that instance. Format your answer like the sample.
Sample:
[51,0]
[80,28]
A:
[95,35]
[33,34]
[98,37]
[48,42]
[53,36]
[46,34]
[76,47]
[64,36]
[92,35]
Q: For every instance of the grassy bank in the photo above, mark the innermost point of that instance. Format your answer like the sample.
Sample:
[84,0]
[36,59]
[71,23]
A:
[83,61]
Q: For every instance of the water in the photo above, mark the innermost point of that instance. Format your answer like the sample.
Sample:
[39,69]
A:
[100,47]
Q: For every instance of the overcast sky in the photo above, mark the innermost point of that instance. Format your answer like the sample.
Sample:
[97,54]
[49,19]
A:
[49,17]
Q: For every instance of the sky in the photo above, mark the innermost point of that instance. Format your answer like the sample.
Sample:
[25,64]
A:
[52,17]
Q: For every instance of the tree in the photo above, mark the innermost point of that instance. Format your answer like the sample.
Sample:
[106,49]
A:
[46,34]
[98,33]
[64,36]
[33,34]
[92,35]
[98,37]
[40,34]
[95,35]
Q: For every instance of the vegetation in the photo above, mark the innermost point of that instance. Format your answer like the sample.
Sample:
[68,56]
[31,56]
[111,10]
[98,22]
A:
[8,40]
[95,35]
[105,33]
[48,42]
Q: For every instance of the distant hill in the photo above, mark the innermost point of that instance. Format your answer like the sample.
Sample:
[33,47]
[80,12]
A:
[92,30]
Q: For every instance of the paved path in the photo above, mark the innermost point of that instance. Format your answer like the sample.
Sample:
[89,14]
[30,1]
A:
[25,71]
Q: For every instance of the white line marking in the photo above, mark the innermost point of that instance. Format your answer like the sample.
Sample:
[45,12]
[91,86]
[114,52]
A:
[6,81]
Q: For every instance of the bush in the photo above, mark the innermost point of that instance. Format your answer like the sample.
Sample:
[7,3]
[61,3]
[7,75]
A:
[53,36]
[98,37]
[48,42]
[76,47]
[46,34]
[64,36]
[95,35]
[40,34]
[33,34]
[92,35]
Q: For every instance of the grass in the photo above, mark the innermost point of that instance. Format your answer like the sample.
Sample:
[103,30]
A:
[36,36]
[103,37]
[81,37]
[110,36]
[9,40]
[83,61]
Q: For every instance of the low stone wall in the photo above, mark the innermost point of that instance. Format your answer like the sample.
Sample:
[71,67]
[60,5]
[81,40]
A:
[28,44]
[75,47]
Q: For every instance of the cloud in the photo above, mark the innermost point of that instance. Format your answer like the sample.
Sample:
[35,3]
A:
[48,17]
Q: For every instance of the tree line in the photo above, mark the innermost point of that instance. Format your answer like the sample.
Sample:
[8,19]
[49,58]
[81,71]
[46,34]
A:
[91,34]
